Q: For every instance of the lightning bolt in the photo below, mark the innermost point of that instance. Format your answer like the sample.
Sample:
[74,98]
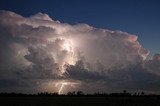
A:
[61,85]
[61,88]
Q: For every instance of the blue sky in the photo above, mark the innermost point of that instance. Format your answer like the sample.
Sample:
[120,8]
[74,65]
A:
[140,17]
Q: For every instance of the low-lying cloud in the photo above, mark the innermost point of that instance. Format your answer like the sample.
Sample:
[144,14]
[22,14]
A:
[38,52]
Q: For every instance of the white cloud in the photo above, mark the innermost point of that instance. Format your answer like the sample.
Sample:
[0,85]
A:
[38,47]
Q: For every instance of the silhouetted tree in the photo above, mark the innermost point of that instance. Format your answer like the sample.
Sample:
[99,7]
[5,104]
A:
[71,93]
[80,93]
[124,91]
[142,93]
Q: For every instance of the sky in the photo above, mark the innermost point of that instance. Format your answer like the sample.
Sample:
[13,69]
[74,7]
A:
[139,17]
[62,46]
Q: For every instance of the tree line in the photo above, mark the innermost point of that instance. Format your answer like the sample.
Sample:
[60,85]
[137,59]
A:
[80,93]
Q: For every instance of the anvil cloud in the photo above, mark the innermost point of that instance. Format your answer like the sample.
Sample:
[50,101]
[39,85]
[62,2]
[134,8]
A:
[37,52]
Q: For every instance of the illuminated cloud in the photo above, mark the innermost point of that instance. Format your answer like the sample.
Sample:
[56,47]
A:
[153,65]
[37,51]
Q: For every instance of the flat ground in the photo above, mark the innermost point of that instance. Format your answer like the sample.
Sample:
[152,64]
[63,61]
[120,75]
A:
[79,101]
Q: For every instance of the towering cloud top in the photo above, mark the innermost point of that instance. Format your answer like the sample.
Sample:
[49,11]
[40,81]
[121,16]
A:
[38,50]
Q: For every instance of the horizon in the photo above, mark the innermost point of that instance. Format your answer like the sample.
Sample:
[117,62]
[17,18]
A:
[60,46]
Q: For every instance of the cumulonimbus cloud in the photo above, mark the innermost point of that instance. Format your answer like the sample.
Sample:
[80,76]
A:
[38,50]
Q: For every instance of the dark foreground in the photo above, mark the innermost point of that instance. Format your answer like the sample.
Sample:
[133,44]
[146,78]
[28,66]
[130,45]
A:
[79,101]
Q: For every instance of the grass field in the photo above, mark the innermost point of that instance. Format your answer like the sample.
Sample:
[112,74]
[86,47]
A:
[79,101]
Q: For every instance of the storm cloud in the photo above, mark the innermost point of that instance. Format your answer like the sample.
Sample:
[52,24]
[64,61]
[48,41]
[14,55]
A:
[38,52]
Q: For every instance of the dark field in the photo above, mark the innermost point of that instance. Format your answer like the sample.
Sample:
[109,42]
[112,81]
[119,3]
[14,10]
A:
[79,101]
